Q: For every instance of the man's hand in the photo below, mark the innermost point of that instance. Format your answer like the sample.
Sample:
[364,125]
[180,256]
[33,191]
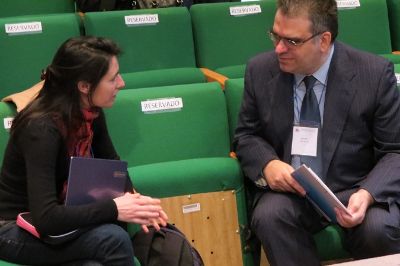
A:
[279,178]
[358,205]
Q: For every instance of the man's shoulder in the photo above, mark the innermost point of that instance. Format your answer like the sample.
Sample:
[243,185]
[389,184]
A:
[359,57]
[264,60]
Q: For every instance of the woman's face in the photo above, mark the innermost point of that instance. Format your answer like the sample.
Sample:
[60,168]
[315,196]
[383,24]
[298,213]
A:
[108,87]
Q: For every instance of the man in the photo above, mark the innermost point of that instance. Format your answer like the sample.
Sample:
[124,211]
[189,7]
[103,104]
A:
[350,122]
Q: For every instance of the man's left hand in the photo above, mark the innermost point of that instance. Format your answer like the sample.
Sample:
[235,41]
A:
[358,205]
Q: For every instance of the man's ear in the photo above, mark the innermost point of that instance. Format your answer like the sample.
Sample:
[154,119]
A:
[326,40]
[84,87]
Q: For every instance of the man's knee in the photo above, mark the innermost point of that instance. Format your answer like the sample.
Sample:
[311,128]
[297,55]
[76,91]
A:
[273,210]
[378,234]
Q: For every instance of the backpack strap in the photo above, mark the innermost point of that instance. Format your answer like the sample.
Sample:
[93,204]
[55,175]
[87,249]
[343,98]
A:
[142,243]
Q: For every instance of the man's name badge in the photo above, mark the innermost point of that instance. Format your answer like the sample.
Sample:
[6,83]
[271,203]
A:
[305,141]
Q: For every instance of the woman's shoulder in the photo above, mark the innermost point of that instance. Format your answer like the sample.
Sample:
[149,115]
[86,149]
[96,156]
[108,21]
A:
[41,126]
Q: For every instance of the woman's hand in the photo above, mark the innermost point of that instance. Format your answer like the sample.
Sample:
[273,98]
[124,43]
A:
[139,209]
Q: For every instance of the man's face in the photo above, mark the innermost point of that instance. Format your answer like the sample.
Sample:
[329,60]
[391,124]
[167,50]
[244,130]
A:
[305,57]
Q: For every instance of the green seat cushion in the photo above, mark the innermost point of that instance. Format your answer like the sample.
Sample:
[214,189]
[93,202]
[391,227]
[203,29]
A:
[232,72]
[329,243]
[394,58]
[191,176]
[163,77]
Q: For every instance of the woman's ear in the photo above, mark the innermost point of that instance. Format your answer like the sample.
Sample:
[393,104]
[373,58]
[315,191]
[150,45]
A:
[84,87]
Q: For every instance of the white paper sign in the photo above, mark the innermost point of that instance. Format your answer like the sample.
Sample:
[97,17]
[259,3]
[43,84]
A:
[23,28]
[195,207]
[136,20]
[305,141]
[244,10]
[398,78]
[162,105]
[7,122]
[343,4]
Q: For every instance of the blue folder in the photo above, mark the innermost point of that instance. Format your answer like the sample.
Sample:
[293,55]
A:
[92,179]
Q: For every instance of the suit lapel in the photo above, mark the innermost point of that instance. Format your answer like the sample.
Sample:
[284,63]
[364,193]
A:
[339,96]
[283,105]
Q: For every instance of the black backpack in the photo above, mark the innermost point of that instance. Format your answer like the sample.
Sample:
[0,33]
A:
[166,247]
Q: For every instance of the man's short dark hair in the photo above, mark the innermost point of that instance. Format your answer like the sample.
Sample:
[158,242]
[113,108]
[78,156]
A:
[322,13]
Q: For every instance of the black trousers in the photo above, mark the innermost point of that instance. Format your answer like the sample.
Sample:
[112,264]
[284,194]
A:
[285,224]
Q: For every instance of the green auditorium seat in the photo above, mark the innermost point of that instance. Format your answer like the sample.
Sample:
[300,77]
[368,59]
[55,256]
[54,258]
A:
[7,113]
[11,8]
[176,142]
[157,45]
[227,34]
[394,22]
[367,28]
[24,54]
[329,240]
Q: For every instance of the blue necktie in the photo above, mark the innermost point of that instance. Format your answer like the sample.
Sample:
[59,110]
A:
[310,115]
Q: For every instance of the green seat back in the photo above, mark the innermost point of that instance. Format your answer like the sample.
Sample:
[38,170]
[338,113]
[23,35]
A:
[23,56]
[394,22]
[10,8]
[197,130]
[234,95]
[166,44]
[366,27]
[223,40]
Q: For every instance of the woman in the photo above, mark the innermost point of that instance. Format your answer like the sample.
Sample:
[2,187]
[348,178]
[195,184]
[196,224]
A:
[66,120]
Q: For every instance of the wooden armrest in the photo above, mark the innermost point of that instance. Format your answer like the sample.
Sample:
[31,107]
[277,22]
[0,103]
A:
[214,76]
[396,52]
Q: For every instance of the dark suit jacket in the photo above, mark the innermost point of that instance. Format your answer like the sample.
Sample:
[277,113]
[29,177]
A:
[361,125]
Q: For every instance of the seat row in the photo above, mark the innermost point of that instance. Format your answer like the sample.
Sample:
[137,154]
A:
[176,140]
[173,45]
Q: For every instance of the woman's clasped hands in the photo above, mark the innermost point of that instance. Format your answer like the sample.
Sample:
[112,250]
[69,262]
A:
[139,209]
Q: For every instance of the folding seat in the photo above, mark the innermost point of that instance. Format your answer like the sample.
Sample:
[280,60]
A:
[28,44]
[329,240]
[227,34]
[367,28]
[176,142]
[7,113]
[157,44]
[11,8]
[394,22]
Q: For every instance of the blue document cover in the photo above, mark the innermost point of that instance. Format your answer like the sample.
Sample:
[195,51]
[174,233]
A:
[93,179]
[318,193]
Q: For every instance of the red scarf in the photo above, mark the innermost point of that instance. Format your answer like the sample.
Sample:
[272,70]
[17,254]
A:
[80,143]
